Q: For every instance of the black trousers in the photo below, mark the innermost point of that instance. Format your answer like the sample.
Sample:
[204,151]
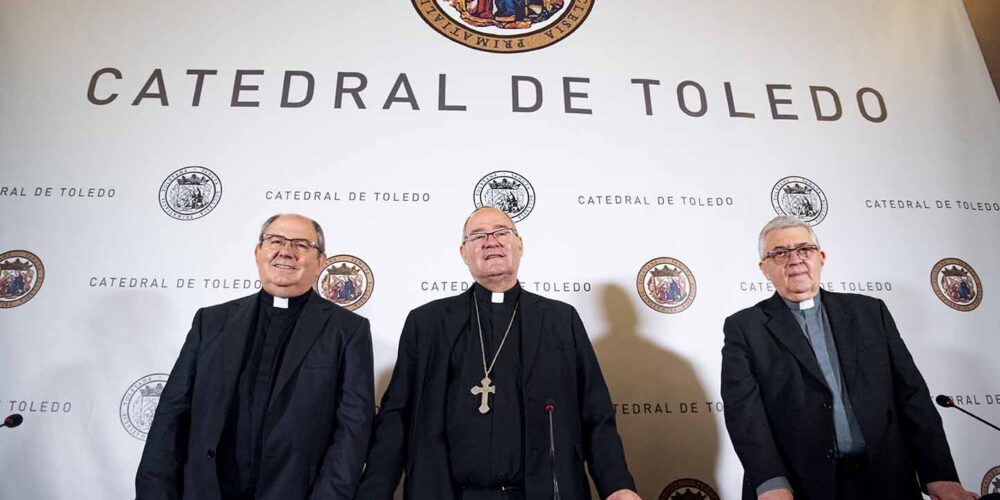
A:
[853,479]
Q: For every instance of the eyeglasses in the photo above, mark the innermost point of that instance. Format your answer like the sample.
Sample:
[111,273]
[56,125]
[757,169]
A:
[781,255]
[498,234]
[276,241]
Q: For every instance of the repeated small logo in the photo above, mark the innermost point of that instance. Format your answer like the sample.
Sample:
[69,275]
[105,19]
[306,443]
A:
[190,193]
[138,405]
[21,276]
[991,482]
[507,191]
[957,285]
[346,281]
[688,489]
[801,198]
[504,26]
[666,285]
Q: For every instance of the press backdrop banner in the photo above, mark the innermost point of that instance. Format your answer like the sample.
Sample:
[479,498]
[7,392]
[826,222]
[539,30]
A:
[640,146]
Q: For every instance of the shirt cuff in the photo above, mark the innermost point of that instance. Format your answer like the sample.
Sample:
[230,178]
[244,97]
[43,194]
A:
[774,483]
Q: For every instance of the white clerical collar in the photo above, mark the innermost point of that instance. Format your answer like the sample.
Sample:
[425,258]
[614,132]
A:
[496,297]
[807,304]
[281,302]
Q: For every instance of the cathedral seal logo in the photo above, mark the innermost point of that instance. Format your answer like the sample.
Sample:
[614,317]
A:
[666,285]
[504,26]
[346,281]
[21,276]
[991,482]
[688,489]
[957,285]
[507,191]
[801,198]
[190,193]
[138,405]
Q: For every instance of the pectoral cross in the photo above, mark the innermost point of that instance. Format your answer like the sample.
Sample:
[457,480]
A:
[484,391]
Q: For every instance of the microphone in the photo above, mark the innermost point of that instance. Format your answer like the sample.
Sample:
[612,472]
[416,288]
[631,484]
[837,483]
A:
[946,402]
[550,408]
[12,421]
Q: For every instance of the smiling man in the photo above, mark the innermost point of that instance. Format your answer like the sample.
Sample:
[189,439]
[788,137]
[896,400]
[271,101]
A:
[823,400]
[477,378]
[272,395]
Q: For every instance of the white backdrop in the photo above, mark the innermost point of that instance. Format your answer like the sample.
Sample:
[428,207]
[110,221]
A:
[81,344]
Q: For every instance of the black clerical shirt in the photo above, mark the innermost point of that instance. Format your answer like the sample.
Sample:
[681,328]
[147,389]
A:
[486,451]
[240,446]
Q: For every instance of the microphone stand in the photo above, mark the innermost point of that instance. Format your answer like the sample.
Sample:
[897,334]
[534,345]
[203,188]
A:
[550,409]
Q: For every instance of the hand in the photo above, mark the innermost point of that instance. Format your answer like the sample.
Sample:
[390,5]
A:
[624,495]
[778,494]
[949,490]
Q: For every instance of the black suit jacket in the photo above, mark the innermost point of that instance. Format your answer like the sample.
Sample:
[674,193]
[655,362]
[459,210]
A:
[559,366]
[779,408]
[318,420]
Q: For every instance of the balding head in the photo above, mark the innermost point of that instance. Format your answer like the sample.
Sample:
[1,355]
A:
[465,226]
[491,248]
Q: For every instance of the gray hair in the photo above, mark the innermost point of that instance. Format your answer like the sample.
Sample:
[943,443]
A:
[782,222]
[320,239]
[474,212]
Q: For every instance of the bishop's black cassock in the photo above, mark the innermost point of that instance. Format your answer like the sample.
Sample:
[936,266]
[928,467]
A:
[430,426]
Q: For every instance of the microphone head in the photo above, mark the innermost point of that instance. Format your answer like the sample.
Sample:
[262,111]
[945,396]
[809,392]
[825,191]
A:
[13,420]
[550,405]
[944,401]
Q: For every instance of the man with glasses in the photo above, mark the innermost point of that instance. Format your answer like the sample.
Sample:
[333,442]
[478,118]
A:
[483,380]
[823,400]
[272,396]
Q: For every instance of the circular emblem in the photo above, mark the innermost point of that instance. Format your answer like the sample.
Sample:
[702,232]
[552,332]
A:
[991,482]
[504,26]
[346,281]
[139,404]
[688,489]
[507,191]
[21,276]
[957,285]
[190,193]
[666,285]
[801,198]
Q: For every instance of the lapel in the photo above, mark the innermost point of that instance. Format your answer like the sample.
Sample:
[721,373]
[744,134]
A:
[845,335]
[532,310]
[315,314]
[457,315]
[783,326]
[234,341]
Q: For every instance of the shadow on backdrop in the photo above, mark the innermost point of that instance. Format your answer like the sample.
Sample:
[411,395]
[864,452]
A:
[660,447]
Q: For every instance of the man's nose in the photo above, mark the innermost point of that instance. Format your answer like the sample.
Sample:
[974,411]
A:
[490,244]
[286,251]
[793,258]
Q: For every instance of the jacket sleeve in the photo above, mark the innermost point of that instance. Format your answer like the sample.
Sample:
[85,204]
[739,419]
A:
[746,417]
[340,473]
[160,474]
[921,424]
[602,446]
[390,435]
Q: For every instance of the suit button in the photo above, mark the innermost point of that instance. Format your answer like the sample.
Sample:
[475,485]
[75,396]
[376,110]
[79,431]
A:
[210,453]
[827,406]
[829,453]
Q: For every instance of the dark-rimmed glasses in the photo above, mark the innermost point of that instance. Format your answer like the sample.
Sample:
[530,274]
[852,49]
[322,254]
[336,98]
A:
[780,255]
[276,241]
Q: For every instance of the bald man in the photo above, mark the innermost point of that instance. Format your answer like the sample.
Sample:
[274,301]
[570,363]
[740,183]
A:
[477,378]
[272,395]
